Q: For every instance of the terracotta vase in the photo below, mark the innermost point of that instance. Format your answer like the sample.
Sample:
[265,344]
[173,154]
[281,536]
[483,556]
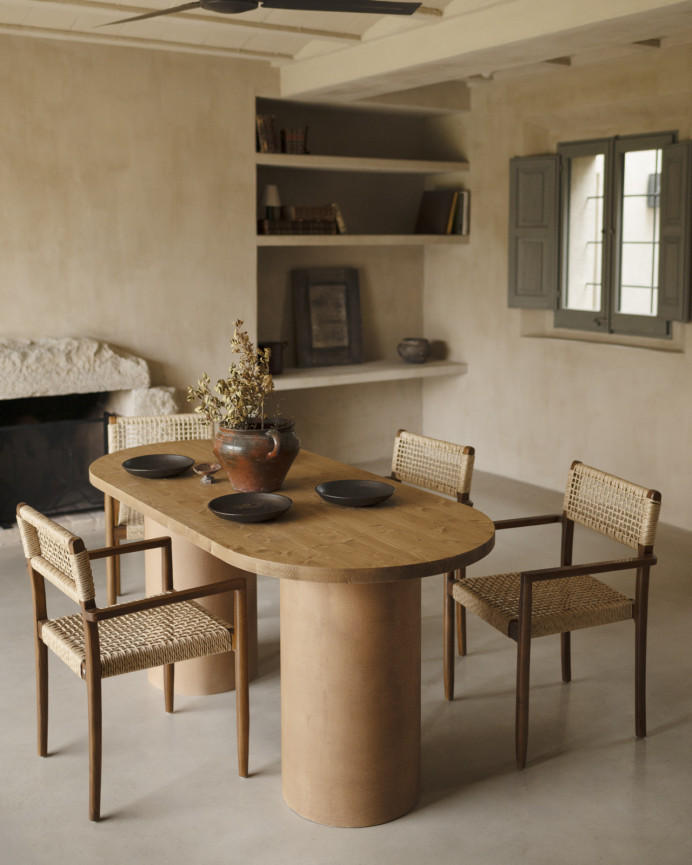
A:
[257,460]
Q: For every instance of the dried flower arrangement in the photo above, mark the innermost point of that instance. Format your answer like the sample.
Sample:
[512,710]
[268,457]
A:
[239,403]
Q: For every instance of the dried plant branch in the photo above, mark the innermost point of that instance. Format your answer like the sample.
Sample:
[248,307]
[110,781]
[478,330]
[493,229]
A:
[239,399]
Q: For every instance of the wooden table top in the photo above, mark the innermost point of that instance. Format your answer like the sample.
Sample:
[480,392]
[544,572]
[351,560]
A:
[413,534]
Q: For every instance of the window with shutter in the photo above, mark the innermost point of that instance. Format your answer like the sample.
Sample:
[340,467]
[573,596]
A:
[601,233]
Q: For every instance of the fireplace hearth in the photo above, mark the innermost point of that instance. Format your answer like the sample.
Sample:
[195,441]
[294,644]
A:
[55,398]
[46,447]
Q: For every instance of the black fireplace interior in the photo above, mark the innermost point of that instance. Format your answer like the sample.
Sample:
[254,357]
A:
[46,447]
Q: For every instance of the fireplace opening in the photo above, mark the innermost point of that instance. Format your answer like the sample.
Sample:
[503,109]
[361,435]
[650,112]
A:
[46,446]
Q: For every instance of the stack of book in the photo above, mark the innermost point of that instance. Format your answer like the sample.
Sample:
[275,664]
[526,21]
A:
[294,140]
[444,211]
[305,219]
[272,139]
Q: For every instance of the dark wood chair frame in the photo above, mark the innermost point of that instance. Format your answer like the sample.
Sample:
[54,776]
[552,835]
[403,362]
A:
[521,632]
[92,615]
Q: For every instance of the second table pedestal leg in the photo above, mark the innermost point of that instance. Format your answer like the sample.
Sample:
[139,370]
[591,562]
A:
[193,566]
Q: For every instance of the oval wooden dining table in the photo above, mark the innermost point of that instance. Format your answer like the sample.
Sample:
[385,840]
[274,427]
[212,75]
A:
[350,617]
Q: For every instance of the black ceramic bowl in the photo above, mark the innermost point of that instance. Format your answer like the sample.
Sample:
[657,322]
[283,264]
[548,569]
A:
[354,493]
[158,465]
[250,507]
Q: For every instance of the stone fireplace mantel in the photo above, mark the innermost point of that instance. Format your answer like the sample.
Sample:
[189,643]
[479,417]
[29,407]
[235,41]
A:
[55,366]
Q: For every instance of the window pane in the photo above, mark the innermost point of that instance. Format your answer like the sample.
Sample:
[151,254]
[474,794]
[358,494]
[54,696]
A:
[584,233]
[639,241]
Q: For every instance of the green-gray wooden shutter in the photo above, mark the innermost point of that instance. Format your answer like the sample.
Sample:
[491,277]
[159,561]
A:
[674,267]
[533,232]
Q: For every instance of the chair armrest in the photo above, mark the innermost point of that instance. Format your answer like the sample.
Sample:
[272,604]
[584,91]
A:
[519,522]
[98,614]
[593,568]
[133,547]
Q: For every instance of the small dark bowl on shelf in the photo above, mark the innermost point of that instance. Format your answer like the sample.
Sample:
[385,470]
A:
[414,349]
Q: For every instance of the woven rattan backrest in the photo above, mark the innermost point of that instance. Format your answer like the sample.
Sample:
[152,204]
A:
[436,465]
[127,432]
[612,506]
[47,547]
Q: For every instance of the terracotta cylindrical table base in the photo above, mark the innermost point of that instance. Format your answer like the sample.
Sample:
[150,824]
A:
[193,566]
[350,700]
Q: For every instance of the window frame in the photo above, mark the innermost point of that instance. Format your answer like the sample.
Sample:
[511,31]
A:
[607,319]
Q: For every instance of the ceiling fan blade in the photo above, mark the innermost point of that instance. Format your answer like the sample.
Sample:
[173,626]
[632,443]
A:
[376,7]
[182,8]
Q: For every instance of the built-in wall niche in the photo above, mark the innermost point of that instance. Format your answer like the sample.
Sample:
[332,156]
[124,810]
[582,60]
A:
[358,132]
[391,295]
[375,167]
[386,204]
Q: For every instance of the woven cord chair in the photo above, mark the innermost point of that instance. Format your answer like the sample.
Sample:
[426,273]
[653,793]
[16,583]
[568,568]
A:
[122,521]
[558,600]
[101,642]
[446,468]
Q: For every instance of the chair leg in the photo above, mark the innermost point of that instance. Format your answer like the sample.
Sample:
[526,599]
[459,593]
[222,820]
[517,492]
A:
[566,656]
[95,745]
[448,636]
[168,686]
[461,629]
[523,673]
[640,624]
[242,697]
[522,709]
[42,696]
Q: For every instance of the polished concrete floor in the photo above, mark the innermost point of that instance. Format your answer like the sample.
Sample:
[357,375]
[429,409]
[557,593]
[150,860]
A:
[591,792]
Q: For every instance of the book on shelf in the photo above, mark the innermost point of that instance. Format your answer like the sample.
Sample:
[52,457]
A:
[296,226]
[268,137]
[294,140]
[443,211]
[305,211]
[272,139]
[460,223]
[338,217]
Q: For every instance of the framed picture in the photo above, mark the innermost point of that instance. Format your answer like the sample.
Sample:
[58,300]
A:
[326,307]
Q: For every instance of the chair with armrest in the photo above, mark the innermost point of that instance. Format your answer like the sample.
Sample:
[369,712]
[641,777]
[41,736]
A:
[536,603]
[442,467]
[122,521]
[99,642]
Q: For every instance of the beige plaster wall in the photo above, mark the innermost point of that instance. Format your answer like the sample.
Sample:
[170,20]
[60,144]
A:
[530,405]
[128,199]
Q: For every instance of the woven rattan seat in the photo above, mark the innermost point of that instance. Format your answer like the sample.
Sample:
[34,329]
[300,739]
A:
[558,605]
[122,521]
[537,603]
[100,642]
[140,641]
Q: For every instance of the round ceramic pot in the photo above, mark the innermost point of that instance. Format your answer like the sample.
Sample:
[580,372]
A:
[257,460]
[414,349]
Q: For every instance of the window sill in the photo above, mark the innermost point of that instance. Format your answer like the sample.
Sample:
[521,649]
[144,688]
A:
[538,323]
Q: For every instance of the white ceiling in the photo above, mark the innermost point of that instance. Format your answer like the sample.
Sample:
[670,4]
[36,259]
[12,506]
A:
[348,57]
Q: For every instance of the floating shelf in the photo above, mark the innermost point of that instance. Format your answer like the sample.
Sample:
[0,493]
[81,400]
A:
[365,373]
[309,162]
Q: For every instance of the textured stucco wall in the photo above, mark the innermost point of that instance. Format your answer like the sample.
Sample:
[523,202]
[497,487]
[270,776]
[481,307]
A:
[128,199]
[531,405]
